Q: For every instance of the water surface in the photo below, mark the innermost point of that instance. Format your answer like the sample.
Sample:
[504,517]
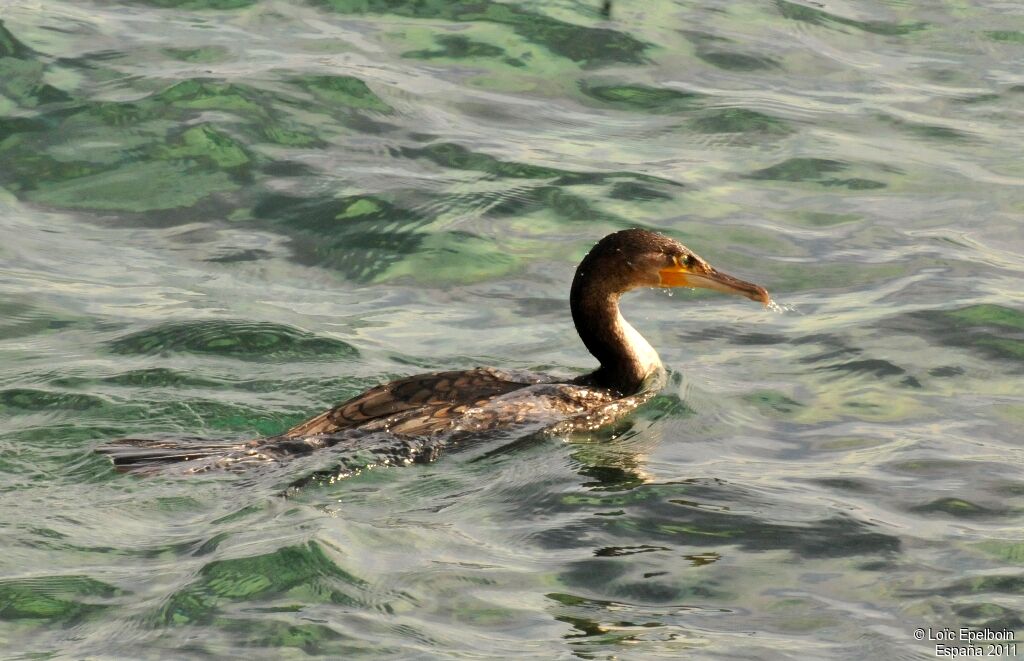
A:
[222,216]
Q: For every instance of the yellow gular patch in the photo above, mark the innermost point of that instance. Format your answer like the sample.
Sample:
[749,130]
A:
[674,276]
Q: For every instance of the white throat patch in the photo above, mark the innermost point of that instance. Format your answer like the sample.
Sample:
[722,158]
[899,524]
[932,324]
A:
[645,353]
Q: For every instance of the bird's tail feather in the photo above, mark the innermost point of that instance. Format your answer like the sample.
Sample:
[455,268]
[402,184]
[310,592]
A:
[146,455]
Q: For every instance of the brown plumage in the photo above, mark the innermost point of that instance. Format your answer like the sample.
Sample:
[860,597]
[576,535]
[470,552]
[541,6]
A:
[410,419]
[421,404]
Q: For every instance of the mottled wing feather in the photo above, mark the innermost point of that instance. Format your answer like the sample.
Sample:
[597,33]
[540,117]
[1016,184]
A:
[409,420]
[428,402]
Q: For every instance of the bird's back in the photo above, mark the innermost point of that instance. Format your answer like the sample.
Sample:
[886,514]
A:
[415,405]
[404,421]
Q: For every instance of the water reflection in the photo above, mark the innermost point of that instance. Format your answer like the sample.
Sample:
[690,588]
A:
[222,216]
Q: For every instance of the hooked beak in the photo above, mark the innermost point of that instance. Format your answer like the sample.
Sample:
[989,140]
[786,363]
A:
[701,275]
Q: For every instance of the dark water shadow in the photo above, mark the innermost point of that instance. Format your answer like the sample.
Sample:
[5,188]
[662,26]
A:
[236,339]
[993,331]
[587,46]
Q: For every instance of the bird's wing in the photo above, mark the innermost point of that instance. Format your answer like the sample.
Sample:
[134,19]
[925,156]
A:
[417,404]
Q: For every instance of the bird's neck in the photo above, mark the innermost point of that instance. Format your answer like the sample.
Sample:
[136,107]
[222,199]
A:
[626,358]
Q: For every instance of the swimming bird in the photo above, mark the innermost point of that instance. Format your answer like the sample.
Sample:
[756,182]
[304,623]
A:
[412,419]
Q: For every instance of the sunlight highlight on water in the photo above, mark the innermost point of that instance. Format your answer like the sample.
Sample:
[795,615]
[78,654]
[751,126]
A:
[219,217]
[780,308]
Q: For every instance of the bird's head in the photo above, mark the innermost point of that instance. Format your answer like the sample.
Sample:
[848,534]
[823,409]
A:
[640,258]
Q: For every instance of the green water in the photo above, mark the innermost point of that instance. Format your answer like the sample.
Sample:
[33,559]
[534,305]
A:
[218,217]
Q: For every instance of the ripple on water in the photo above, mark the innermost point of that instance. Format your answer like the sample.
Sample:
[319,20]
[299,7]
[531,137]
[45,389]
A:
[425,176]
[236,339]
